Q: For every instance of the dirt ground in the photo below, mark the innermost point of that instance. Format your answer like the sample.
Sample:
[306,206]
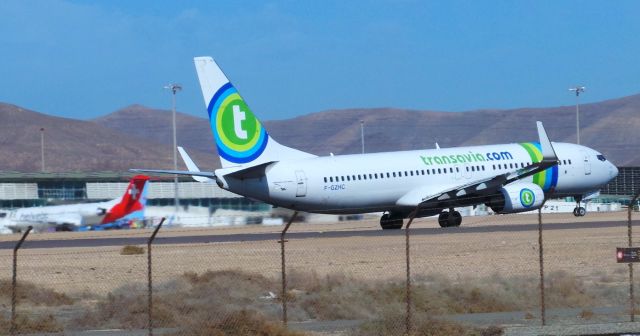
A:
[586,253]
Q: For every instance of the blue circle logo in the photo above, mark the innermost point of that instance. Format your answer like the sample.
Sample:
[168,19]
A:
[527,197]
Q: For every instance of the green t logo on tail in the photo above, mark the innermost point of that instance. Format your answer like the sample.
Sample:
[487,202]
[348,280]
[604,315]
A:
[239,136]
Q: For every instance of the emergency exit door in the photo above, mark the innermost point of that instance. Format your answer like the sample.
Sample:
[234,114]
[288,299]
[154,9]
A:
[301,184]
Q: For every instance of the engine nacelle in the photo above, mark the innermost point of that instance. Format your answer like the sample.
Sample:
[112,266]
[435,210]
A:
[517,197]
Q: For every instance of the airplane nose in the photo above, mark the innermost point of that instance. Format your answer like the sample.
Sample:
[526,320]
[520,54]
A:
[613,170]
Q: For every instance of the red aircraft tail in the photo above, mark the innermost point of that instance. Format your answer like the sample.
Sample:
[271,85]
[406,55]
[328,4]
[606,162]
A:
[134,199]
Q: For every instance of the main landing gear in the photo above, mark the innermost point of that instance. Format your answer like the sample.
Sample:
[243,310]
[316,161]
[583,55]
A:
[391,221]
[579,211]
[449,218]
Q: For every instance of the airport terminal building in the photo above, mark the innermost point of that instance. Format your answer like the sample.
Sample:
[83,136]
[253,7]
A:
[19,190]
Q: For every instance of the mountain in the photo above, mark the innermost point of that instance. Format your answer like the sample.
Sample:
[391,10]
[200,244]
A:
[610,126]
[138,136]
[73,145]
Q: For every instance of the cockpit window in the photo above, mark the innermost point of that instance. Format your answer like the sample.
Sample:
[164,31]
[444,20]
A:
[3,214]
[601,158]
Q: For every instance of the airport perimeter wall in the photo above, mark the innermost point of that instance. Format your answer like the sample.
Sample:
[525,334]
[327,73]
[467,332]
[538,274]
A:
[350,278]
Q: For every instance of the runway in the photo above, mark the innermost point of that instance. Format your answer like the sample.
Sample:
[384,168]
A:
[310,234]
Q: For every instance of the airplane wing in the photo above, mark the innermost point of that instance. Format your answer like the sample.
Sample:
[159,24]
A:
[426,196]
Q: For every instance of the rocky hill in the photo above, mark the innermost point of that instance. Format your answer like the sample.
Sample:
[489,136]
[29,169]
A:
[138,136]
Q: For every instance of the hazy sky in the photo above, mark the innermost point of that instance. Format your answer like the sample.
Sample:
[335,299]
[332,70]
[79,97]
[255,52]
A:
[84,59]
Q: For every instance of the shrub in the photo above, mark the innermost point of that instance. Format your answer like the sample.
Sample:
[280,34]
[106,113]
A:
[131,250]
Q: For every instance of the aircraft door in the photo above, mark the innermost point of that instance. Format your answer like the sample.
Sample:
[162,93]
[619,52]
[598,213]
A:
[587,164]
[301,184]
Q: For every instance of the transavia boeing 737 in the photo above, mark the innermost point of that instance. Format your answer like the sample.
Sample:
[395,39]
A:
[72,217]
[509,178]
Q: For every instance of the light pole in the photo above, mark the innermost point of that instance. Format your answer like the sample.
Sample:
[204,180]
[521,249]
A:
[174,89]
[42,147]
[578,90]
[362,134]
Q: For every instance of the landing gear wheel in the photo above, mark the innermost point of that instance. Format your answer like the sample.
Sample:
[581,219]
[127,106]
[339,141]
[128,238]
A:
[579,211]
[455,218]
[443,219]
[449,219]
[390,221]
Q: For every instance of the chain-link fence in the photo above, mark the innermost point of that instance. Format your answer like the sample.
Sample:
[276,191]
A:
[348,278]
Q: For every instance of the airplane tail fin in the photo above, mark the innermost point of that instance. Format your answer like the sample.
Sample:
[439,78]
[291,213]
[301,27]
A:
[240,137]
[133,201]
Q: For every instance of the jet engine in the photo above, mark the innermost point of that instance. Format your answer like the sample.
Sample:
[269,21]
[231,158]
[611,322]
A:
[517,197]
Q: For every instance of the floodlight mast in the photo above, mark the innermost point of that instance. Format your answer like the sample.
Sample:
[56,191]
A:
[175,88]
[578,89]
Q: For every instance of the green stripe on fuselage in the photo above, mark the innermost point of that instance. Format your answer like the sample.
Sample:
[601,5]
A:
[536,156]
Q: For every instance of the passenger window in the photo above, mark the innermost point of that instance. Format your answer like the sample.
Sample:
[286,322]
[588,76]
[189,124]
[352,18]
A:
[457,169]
[569,161]
[370,176]
[439,172]
[342,178]
[433,171]
[325,180]
[482,168]
[411,172]
[451,169]
[389,175]
[348,178]
[427,171]
[331,179]
[473,168]
[394,174]
[423,172]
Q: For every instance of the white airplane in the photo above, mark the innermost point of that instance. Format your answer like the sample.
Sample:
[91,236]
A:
[509,178]
[72,217]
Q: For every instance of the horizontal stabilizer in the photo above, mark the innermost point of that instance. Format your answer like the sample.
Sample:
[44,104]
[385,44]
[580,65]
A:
[175,172]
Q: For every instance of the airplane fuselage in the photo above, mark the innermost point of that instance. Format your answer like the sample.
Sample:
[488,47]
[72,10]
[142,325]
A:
[379,181]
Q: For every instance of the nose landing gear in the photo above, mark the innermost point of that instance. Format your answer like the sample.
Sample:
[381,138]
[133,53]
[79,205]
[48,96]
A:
[449,218]
[579,211]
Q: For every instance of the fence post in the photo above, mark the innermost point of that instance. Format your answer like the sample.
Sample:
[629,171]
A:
[14,281]
[409,317]
[541,259]
[632,308]
[282,241]
[150,279]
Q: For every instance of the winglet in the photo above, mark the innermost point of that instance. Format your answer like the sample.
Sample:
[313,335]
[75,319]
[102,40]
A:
[548,153]
[191,165]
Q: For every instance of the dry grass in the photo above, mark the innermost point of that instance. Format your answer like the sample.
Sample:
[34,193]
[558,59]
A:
[131,250]
[240,323]
[27,292]
[236,302]
[30,325]
[393,324]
